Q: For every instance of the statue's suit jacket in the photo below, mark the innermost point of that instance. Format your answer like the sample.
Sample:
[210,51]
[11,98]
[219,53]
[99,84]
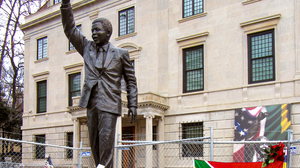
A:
[108,80]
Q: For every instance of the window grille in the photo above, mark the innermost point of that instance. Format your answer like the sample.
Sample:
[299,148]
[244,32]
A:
[40,150]
[193,69]
[74,86]
[126,21]
[191,130]
[192,7]
[69,144]
[57,1]
[42,48]
[261,57]
[41,96]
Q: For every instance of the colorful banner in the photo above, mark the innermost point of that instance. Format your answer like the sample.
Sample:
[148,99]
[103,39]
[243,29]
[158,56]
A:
[209,164]
[262,123]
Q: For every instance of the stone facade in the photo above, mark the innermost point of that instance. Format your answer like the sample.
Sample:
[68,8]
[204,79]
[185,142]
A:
[156,46]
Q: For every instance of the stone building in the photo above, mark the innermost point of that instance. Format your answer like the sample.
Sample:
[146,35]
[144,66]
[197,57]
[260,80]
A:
[196,62]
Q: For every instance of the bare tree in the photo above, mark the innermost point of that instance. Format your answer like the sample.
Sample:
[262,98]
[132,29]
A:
[9,12]
[12,13]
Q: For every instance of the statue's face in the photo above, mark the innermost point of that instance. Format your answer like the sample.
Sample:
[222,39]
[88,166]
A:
[99,35]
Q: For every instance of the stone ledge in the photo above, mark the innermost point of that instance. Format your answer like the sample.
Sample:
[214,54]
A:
[190,37]
[249,2]
[48,125]
[74,108]
[40,74]
[261,24]
[192,17]
[71,51]
[263,19]
[125,36]
[192,40]
[80,64]
[41,60]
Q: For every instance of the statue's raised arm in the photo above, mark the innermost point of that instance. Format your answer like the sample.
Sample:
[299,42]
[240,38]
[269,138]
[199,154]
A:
[73,34]
[65,2]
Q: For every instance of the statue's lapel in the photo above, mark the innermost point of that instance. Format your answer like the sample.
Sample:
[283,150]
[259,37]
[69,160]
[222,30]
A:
[92,60]
[110,55]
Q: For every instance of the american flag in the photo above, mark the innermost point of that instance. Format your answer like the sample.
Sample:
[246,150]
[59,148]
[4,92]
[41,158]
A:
[48,163]
[244,118]
[249,125]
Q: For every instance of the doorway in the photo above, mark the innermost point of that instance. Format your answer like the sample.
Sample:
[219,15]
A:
[128,155]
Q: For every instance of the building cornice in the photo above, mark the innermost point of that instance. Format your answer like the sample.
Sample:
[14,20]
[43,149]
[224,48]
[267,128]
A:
[193,36]
[261,24]
[147,102]
[75,6]
[40,74]
[259,20]
[51,15]
[80,64]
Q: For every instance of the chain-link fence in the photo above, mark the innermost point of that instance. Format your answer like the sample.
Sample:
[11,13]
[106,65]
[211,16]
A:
[176,153]
[139,153]
[24,154]
[181,153]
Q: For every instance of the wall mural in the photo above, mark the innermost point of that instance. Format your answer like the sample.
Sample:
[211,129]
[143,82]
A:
[259,124]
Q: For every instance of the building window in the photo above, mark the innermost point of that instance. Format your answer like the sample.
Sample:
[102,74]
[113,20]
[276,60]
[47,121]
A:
[69,144]
[42,48]
[192,130]
[193,70]
[41,96]
[192,7]
[57,1]
[74,86]
[71,47]
[126,21]
[40,150]
[261,57]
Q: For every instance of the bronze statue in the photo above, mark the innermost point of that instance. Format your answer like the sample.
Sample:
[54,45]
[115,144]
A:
[101,93]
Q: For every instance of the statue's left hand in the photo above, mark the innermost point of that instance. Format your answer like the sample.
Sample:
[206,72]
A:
[133,113]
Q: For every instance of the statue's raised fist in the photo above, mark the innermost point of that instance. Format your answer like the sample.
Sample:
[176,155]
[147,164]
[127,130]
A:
[65,1]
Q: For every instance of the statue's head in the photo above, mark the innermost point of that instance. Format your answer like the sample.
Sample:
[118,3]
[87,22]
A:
[101,31]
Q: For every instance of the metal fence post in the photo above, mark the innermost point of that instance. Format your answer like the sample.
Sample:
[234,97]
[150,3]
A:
[117,154]
[79,162]
[289,156]
[211,144]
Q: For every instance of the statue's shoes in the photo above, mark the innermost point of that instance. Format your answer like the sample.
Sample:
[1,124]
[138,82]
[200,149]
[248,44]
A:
[100,166]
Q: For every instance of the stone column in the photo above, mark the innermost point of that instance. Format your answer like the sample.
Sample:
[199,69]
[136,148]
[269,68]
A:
[149,135]
[76,140]
[161,137]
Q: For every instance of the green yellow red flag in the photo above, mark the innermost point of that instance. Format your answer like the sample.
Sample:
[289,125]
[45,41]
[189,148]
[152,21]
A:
[210,164]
